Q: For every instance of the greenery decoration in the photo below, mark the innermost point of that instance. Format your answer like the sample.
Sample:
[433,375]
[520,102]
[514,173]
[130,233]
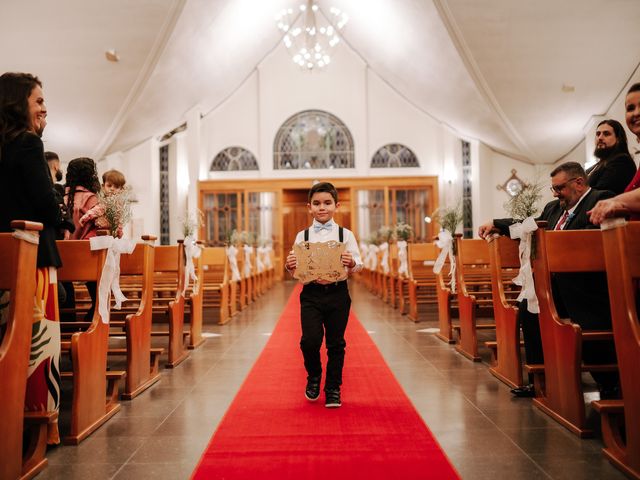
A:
[403,231]
[191,222]
[117,209]
[449,218]
[525,203]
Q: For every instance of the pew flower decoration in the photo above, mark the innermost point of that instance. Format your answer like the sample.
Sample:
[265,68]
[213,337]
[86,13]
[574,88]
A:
[191,222]
[386,235]
[523,207]
[117,213]
[232,255]
[261,254]
[449,219]
[372,253]
[403,233]
[525,203]
[117,210]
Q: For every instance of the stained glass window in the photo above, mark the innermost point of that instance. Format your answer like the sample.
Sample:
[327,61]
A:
[233,159]
[394,155]
[164,195]
[313,139]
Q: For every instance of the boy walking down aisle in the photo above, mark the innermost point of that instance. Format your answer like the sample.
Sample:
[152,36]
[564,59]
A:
[324,306]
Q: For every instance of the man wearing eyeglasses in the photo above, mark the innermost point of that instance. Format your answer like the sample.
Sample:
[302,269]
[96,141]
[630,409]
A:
[573,199]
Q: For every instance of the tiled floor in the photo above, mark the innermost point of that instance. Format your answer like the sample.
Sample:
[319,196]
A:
[486,433]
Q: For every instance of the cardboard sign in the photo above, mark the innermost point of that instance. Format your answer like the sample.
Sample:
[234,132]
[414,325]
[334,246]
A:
[319,261]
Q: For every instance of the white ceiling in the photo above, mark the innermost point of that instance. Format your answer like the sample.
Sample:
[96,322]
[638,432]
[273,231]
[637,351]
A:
[490,69]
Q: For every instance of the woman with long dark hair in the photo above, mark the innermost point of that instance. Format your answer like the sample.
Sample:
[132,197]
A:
[81,195]
[26,193]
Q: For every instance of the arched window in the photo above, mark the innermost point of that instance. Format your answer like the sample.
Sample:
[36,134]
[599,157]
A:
[394,155]
[313,139]
[234,158]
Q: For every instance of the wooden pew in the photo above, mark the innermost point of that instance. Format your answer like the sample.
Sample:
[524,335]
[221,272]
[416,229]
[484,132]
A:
[142,360]
[558,381]
[243,286]
[18,275]
[169,299]
[506,350]
[447,305]
[235,286]
[196,304]
[215,281]
[271,270]
[384,276]
[392,276]
[474,292]
[621,418]
[91,380]
[422,281]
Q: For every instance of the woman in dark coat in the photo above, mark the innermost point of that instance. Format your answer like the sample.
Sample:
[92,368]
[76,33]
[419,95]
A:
[26,193]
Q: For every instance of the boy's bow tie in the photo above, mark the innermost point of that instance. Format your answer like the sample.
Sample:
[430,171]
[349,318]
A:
[318,227]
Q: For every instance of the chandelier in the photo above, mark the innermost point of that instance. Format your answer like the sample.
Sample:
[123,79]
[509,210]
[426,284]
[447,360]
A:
[308,39]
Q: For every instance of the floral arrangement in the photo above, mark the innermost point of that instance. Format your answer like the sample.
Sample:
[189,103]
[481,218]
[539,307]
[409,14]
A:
[403,231]
[449,218]
[240,237]
[191,222]
[525,203]
[385,234]
[374,238]
[117,209]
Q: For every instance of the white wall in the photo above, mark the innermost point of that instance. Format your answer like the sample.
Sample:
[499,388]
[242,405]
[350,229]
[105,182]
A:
[374,112]
[140,166]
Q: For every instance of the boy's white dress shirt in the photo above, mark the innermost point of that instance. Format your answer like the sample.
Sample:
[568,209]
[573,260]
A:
[329,231]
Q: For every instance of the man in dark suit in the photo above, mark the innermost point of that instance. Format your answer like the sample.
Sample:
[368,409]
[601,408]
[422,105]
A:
[615,168]
[573,199]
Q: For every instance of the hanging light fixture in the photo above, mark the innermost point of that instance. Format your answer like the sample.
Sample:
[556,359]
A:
[307,37]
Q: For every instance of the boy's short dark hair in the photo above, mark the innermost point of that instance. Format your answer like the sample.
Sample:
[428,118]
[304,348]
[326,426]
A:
[114,177]
[50,156]
[324,187]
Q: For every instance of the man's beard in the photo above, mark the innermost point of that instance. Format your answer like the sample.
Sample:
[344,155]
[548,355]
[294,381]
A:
[605,152]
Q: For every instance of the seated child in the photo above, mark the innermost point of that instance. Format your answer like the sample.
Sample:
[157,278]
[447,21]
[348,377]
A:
[113,182]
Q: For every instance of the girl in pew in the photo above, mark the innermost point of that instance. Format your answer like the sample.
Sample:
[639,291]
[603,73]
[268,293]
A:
[81,195]
[26,193]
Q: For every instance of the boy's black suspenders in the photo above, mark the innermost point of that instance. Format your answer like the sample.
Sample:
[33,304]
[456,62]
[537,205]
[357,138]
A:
[340,235]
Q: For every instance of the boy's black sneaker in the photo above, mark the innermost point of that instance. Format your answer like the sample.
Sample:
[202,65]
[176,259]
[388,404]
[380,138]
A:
[312,392]
[332,398]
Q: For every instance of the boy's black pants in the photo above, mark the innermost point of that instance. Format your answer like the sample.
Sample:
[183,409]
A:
[324,311]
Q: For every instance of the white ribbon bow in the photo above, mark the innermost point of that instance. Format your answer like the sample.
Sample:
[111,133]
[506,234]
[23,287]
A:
[445,244]
[403,268]
[364,250]
[191,250]
[384,262]
[524,232]
[27,236]
[247,260]
[261,251]
[267,257]
[232,255]
[373,257]
[110,277]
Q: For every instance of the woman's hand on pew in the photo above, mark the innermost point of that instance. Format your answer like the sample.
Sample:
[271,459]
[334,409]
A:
[604,209]
[487,229]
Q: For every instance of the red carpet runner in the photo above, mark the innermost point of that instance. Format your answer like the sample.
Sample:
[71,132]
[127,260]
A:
[272,432]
